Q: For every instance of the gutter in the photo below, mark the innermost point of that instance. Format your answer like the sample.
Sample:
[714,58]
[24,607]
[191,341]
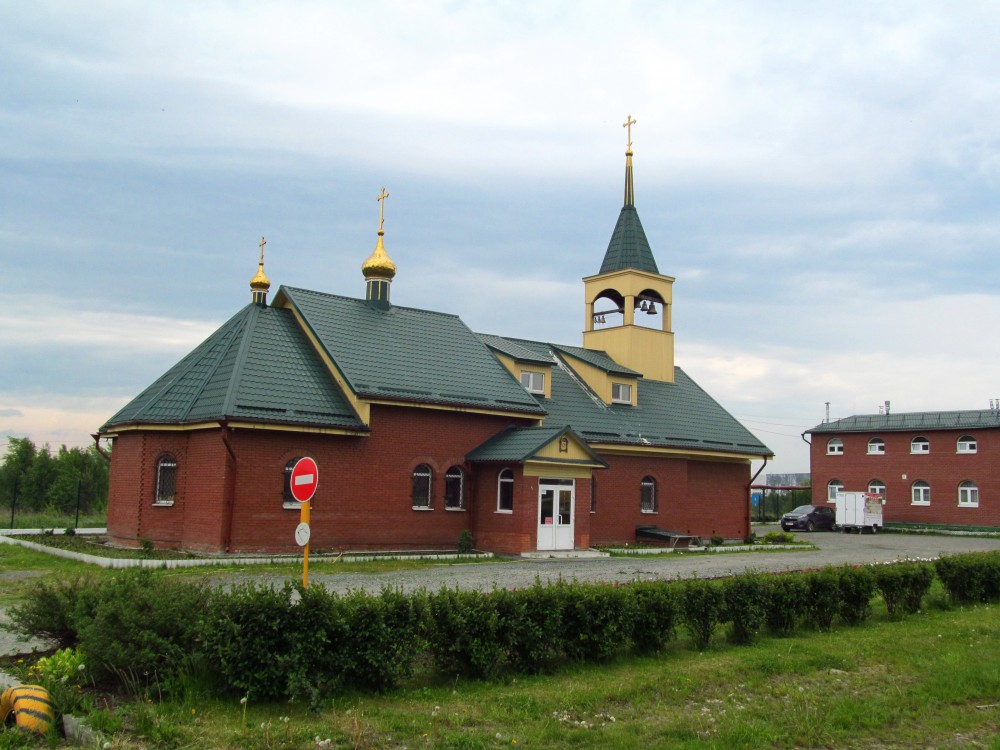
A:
[230,489]
[97,445]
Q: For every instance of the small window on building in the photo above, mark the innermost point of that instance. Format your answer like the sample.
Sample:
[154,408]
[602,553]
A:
[876,447]
[967,444]
[649,495]
[621,393]
[921,493]
[533,382]
[877,487]
[287,501]
[593,494]
[166,480]
[423,480]
[968,495]
[920,445]
[835,447]
[454,488]
[505,491]
[832,488]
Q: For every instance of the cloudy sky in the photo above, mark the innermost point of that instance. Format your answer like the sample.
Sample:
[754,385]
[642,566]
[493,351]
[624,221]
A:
[822,179]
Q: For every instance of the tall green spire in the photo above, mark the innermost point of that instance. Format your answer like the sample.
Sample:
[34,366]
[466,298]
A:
[629,247]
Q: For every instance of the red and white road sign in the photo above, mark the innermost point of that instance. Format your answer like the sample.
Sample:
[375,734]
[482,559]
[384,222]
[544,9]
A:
[304,479]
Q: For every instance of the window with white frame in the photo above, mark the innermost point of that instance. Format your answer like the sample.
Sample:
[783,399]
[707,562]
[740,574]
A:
[967,444]
[648,489]
[166,480]
[454,488]
[921,493]
[835,447]
[423,481]
[877,487]
[968,495]
[533,382]
[920,445]
[505,491]
[876,447]
[832,488]
[287,499]
[621,393]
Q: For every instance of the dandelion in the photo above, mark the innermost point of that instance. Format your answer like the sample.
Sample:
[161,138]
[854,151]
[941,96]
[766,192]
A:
[193,712]
[243,700]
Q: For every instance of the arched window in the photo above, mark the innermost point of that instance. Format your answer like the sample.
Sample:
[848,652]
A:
[968,495]
[505,491]
[920,445]
[876,447]
[423,481]
[454,488]
[877,487]
[166,480]
[835,447]
[832,488]
[287,500]
[649,495]
[967,444]
[921,493]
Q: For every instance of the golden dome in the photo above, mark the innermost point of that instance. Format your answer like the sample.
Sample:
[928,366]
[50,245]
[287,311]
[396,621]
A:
[260,282]
[379,265]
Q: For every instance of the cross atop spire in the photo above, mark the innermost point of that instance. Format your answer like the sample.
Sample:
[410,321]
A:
[381,208]
[262,243]
[259,284]
[629,122]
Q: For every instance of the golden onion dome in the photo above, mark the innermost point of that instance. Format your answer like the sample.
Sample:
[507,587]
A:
[379,265]
[260,282]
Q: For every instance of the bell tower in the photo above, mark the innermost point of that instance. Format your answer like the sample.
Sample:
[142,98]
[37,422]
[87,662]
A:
[629,301]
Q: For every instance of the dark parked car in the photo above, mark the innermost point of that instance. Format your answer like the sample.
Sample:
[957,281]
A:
[809,517]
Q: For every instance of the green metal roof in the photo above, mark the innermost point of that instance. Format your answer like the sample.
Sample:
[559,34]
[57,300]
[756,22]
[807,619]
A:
[629,247]
[919,420]
[599,359]
[669,415]
[513,350]
[409,355]
[258,366]
[520,444]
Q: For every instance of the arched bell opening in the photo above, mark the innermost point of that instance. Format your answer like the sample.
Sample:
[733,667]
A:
[609,310]
[649,309]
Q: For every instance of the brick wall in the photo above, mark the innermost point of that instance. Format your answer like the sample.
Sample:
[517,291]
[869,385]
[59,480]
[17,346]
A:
[695,497]
[943,468]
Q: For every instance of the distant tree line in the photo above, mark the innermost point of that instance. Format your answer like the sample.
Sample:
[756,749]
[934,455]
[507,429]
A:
[40,481]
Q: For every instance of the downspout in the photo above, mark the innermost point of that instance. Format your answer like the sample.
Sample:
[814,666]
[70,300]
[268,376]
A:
[230,490]
[97,445]
[749,486]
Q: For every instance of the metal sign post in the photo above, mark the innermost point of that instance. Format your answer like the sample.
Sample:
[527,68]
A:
[303,483]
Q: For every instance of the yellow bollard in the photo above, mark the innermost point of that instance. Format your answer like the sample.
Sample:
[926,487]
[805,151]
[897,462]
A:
[30,707]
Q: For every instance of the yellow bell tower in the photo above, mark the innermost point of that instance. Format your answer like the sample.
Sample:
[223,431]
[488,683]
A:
[629,301]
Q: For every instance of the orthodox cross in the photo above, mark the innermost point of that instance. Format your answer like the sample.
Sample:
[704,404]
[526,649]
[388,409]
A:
[262,243]
[629,122]
[381,207]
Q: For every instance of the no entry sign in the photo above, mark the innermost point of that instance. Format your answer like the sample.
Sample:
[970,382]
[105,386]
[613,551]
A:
[304,479]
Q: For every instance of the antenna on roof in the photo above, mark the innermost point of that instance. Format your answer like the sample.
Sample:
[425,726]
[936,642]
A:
[887,407]
[827,420]
[881,409]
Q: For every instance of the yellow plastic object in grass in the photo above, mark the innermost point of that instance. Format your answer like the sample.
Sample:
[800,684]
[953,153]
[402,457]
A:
[29,707]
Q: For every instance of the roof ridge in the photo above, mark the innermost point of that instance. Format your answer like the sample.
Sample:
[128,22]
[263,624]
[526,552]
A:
[361,301]
[229,402]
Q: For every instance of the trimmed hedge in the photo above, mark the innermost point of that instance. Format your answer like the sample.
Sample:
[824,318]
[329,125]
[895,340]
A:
[292,643]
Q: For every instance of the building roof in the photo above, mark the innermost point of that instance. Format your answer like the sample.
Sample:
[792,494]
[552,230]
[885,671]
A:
[513,350]
[599,359]
[519,444]
[923,421]
[410,355]
[676,415]
[628,247]
[258,366]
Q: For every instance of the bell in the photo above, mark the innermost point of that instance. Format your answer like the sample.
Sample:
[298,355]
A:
[651,310]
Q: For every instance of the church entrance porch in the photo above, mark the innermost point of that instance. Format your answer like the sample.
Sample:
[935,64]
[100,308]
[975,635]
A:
[556,501]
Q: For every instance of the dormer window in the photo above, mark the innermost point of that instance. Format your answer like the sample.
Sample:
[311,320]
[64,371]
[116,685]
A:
[533,382]
[621,393]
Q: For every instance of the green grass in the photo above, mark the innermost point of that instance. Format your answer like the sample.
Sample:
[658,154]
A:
[44,520]
[917,683]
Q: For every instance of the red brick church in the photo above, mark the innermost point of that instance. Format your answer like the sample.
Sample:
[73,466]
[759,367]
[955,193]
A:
[423,429]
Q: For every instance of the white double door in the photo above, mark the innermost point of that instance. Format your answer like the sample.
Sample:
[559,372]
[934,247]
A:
[555,514]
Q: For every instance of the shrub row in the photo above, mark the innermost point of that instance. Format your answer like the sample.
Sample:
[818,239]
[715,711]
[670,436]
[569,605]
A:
[295,643]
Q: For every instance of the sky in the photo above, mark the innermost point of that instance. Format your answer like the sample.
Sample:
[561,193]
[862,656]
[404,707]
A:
[821,179]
